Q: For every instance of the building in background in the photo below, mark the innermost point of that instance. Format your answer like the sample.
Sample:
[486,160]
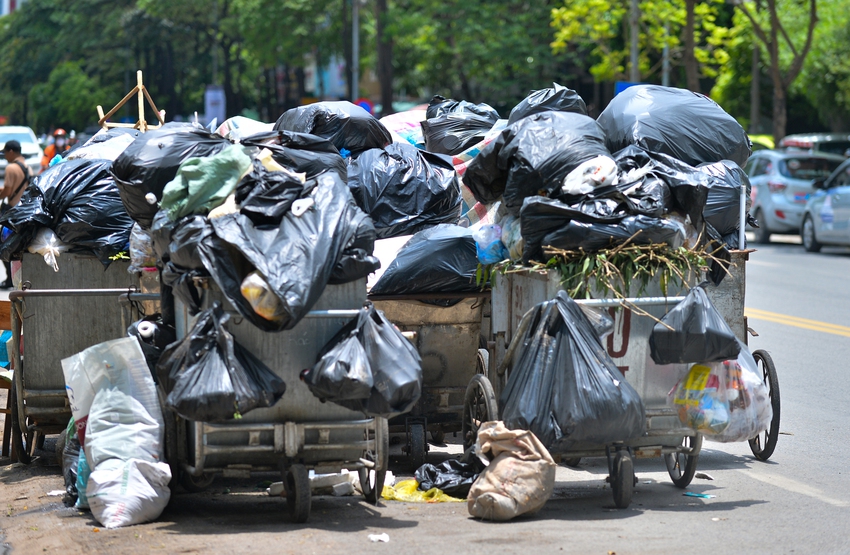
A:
[8,6]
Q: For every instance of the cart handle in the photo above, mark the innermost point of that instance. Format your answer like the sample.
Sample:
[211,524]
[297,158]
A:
[594,303]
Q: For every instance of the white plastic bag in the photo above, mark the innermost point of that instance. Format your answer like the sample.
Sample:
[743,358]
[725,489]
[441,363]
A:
[120,427]
[121,493]
[118,363]
[725,401]
[48,245]
[589,175]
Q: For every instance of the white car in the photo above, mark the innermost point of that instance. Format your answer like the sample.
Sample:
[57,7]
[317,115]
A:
[29,146]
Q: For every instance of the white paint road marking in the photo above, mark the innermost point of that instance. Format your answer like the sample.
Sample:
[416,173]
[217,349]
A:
[794,486]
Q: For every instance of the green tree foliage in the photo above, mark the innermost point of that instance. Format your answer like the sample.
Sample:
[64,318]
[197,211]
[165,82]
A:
[65,100]
[598,29]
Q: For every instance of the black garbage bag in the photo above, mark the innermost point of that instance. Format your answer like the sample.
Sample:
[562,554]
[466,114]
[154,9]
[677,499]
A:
[688,186]
[391,361]
[24,220]
[556,98]
[442,259]
[266,196]
[454,132]
[532,157]
[79,201]
[452,477]
[210,377]
[154,335]
[564,387]
[152,160]
[440,106]
[549,222]
[404,189]
[300,152]
[357,260]
[723,204]
[686,125]
[296,259]
[693,331]
[346,125]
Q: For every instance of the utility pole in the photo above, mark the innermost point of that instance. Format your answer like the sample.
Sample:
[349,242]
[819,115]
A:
[634,16]
[355,50]
[665,58]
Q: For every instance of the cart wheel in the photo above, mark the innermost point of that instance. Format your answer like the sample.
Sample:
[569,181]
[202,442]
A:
[196,484]
[572,461]
[682,467]
[170,441]
[21,440]
[296,482]
[623,479]
[479,406]
[372,483]
[372,480]
[438,437]
[416,446]
[483,362]
[763,444]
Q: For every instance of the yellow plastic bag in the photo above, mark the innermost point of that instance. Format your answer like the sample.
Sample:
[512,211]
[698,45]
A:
[408,491]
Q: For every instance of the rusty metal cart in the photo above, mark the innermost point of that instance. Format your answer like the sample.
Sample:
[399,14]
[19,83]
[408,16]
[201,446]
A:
[515,294]
[299,432]
[59,314]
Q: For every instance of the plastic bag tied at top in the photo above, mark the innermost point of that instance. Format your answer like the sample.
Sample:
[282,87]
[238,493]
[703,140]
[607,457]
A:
[693,331]
[210,377]
[368,366]
[556,98]
[563,385]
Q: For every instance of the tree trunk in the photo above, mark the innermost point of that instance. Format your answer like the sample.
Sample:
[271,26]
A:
[690,60]
[780,113]
[755,92]
[301,81]
[385,58]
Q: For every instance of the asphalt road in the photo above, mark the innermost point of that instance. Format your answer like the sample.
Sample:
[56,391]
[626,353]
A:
[798,502]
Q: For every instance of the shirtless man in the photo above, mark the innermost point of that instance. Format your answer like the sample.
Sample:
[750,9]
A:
[17,179]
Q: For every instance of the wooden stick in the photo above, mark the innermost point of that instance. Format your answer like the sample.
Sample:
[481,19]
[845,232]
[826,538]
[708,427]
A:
[155,109]
[118,106]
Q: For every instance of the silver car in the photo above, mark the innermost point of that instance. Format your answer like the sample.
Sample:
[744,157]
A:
[827,217]
[30,149]
[781,187]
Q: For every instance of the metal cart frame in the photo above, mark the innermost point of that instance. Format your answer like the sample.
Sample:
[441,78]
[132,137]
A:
[296,434]
[456,394]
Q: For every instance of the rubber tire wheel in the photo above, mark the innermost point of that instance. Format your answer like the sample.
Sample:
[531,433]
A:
[196,484]
[482,362]
[762,234]
[21,441]
[438,437]
[763,444]
[623,479]
[810,242]
[572,462]
[371,492]
[296,483]
[381,458]
[169,441]
[479,406]
[59,447]
[417,446]
[682,467]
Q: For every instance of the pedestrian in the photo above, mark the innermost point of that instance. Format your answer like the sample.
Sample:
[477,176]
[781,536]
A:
[60,146]
[18,176]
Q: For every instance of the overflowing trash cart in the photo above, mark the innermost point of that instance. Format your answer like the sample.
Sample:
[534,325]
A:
[548,285]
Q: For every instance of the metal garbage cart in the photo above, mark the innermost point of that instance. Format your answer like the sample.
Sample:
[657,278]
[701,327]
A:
[299,432]
[457,395]
[514,294]
[56,315]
